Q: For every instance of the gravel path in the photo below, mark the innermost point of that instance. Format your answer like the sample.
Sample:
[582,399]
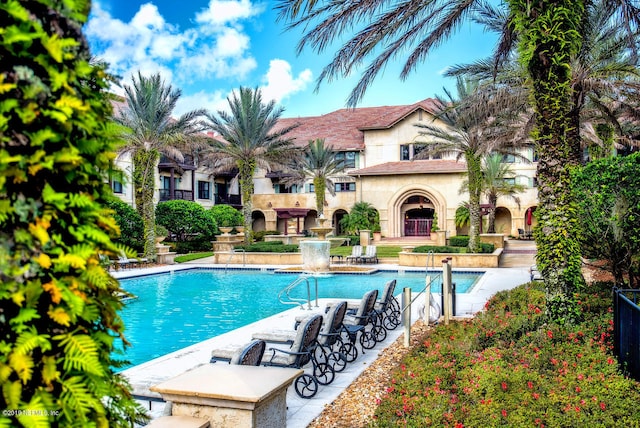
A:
[356,405]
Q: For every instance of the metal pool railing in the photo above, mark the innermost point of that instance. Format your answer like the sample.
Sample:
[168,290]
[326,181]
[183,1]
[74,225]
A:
[626,330]
[286,299]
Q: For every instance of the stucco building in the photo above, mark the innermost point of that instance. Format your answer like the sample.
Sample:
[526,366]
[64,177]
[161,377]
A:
[377,145]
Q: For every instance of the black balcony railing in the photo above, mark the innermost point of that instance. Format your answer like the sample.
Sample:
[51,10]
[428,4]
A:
[235,200]
[626,330]
[185,195]
[188,162]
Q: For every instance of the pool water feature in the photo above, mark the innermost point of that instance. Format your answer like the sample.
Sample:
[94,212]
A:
[175,310]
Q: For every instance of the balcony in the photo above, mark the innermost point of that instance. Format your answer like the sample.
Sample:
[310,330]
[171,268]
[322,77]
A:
[233,200]
[188,163]
[185,195]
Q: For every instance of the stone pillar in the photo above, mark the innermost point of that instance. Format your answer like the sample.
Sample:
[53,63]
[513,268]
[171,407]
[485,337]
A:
[365,236]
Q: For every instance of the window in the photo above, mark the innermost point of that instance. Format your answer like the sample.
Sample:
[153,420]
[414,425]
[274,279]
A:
[508,158]
[534,182]
[417,148]
[116,182]
[348,159]
[281,188]
[511,181]
[204,190]
[404,152]
[345,187]
[311,188]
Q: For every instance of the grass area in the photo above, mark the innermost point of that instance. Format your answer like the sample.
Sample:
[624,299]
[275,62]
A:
[509,367]
[192,256]
[383,251]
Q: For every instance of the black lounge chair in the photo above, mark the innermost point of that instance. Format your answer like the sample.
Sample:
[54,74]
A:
[388,308]
[358,322]
[300,354]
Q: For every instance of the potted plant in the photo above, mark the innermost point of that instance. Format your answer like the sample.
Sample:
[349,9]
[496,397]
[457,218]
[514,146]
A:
[161,233]
[227,218]
[434,227]
[377,233]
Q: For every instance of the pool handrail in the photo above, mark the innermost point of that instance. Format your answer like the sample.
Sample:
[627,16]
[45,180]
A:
[295,300]
[231,253]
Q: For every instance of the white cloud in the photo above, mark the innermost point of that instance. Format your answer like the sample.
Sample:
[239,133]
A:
[222,12]
[211,101]
[147,42]
[280,82]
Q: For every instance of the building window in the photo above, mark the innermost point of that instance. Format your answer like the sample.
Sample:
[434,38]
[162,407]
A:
[404,152]
[311,188]
[345,187]
[511,181]
[534,182]
[348,159]
[204,190]
[281,188]
[508,158]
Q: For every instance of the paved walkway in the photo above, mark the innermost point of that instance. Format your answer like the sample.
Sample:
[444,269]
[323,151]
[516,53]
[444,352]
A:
[514,270]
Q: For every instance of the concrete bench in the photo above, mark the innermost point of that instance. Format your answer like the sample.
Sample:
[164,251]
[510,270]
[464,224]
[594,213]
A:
[231,395]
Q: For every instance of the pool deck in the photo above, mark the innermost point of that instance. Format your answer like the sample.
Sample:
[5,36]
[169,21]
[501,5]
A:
[300,412]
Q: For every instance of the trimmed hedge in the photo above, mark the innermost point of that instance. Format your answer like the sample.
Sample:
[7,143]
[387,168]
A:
[484,249]
[459,241]
[268,247]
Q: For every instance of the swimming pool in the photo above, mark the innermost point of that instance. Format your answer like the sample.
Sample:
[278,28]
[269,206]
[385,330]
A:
[175,310]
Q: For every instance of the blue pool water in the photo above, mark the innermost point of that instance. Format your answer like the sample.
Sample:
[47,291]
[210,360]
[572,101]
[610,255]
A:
[176,310]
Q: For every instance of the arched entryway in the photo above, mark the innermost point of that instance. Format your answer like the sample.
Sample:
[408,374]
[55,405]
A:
[338,215]
[412,211]
[258,221]
[503,222]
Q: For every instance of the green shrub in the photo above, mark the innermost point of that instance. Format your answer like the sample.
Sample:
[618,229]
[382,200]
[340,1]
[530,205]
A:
[185,247]
[459,241]
[58,305]
[438,249]
[226,215]
[130,223]
[259,236]
[186,220]
[267,247]
[508,367]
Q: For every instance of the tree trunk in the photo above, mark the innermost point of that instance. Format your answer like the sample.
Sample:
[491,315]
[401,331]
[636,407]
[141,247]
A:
[144,164]
[247,169]
[474,172]
[547,56]
[491,228]
[319,188]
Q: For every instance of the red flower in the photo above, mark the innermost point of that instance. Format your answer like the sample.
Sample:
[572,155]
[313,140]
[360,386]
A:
[603,406]
[536,395]
[504,386]
[530,385]
[459,425]
[504,413]
[549,334]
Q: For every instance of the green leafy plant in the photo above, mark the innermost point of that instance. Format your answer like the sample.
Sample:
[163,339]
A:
[161,231]
[363,216]
[58,305]
[130,224]
[227,216]
[187,220]
[509,367]
[434,223]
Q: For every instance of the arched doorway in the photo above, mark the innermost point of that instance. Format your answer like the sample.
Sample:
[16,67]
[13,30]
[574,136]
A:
[418,212]
[503,221]
[258,221]
[337,217]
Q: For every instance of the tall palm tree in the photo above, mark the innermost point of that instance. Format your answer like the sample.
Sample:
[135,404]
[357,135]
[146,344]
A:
[495,173]
[469,132]
[318,163]
[149,131]
[247,139]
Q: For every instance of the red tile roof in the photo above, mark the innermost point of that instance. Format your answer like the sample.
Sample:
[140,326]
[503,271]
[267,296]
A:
[343,129]
[413,167]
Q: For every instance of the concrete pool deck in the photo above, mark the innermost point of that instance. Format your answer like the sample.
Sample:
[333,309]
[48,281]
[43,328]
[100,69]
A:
[300,412]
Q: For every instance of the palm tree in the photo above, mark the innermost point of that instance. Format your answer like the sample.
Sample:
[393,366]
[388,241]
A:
[471,122]
[495,173]
[149,131]
[247,139]
[318,163]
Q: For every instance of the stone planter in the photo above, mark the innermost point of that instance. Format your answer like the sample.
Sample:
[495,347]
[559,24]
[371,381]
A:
[225,230]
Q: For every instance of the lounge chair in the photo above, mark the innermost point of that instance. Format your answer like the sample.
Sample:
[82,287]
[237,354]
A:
[388,308]
[247,355]
[356,254]
[124,262]
[330,349]
[370,255]
[299,354]
[358,323]
[534,274]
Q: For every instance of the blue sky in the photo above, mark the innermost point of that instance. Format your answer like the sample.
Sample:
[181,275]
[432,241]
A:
[208,48]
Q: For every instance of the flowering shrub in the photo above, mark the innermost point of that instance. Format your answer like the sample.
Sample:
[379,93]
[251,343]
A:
[507,367]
